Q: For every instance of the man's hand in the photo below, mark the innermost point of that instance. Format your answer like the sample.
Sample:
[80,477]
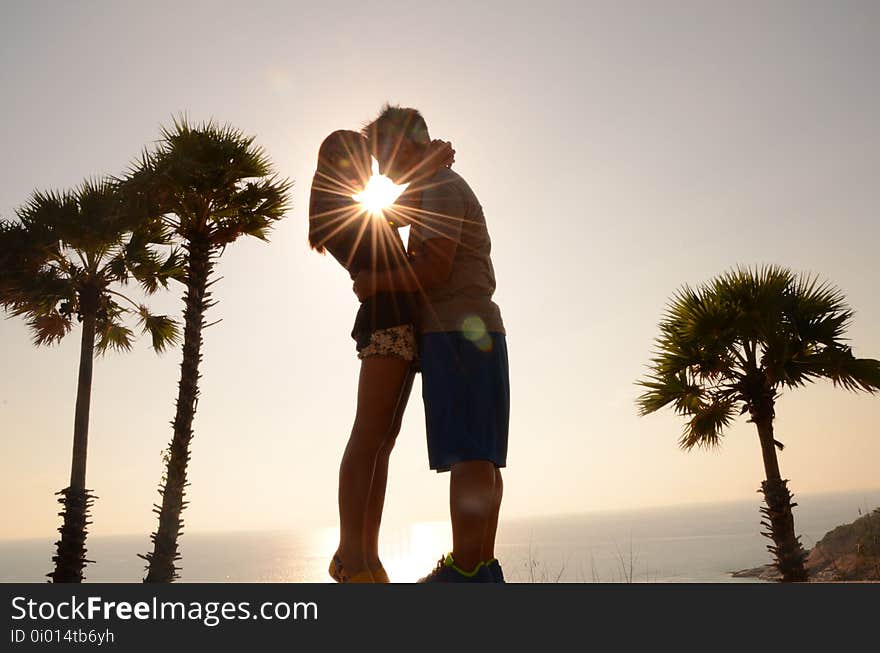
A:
[440,154]
[364,285]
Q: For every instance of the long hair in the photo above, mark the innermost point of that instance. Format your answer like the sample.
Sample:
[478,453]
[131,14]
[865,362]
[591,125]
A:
[337,223]
[343,159]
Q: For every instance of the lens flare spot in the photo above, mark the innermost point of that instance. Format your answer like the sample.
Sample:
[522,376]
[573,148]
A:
[474,329]
[379,193]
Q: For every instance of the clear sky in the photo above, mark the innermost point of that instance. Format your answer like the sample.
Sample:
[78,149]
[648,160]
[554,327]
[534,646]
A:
[619,149]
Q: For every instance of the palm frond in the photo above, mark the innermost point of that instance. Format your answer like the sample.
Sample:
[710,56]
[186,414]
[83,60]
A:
[173,267]
[39,293]
[707,425]
[163,330]
[112,334]
[49,328]
[675,389]
[213,179]
[843,369]
[69,245]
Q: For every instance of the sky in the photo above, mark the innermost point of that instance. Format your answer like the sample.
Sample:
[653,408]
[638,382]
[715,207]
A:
[619,149]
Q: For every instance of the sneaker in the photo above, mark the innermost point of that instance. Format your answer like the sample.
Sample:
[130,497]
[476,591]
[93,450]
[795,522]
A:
[447,572]
[494,568]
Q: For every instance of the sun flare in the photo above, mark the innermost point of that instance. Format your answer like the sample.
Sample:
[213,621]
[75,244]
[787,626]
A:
[379,193]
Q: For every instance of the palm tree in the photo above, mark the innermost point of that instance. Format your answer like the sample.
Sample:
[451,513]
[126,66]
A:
[730,347]
[209,185]
[64,257]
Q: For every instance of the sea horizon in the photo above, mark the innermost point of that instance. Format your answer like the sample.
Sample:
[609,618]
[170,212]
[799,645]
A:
[700,542]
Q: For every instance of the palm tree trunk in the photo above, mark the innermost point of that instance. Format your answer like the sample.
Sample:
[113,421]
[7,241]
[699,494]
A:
[161,562]
[779,521]
[70,559]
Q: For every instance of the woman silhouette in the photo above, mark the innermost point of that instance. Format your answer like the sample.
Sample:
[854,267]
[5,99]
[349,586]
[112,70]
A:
[385,340]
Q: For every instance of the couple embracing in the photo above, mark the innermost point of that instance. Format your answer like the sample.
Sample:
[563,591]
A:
[427,308]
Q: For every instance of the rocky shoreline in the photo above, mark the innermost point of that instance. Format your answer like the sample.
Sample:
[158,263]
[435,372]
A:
[850,552]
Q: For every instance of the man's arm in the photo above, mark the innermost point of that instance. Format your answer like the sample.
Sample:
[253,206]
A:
[439,225]
[428,268]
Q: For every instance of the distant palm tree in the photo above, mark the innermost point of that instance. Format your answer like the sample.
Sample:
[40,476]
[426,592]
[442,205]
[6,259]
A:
[209,185]
[63,257]
[730,346]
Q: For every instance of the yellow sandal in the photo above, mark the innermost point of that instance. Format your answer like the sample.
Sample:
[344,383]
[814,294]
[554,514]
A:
[337,572]
[380,575]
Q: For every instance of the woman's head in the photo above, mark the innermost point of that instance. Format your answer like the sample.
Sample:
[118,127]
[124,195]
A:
[344,157]
[337,223]
[343,166]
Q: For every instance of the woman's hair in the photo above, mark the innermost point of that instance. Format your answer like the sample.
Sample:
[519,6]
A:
[343,155]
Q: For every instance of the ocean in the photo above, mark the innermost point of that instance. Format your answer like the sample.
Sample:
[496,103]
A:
[697,543]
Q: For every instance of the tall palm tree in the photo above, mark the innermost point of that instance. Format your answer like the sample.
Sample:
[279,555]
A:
[210,185]
[67,255]
[730,347]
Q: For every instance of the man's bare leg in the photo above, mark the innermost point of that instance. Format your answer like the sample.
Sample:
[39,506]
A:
[472,502]
[488,548]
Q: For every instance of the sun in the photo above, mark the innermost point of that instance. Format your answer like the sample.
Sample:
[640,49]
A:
[379,193]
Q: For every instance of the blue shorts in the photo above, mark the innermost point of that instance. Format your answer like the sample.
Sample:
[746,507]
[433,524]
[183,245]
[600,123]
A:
[466,390]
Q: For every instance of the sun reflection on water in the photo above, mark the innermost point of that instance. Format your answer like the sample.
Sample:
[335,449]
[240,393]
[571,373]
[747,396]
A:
[408,552]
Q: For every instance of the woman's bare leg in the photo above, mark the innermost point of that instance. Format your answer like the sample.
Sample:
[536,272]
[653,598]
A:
[381,380]
[376,499]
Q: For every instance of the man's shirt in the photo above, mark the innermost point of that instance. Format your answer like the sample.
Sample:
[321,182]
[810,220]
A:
[449,209]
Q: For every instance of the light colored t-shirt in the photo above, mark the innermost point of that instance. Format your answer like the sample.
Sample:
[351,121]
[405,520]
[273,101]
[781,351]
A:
[449,209]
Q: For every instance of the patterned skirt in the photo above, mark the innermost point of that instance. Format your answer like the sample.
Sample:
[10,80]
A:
[398,341]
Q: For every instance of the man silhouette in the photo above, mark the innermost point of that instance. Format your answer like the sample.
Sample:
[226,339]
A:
[462,345]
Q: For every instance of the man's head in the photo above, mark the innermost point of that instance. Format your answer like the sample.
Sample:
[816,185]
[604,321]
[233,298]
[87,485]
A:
[399,140]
